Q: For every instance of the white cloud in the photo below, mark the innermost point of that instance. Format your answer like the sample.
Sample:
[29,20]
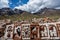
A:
[35,5]
[4,3]
[58,8]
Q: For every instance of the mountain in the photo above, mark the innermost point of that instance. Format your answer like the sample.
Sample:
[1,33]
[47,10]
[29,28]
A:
[17,11]
[48,12]
[18,14]
[9,11]
[43,12]
[6,11]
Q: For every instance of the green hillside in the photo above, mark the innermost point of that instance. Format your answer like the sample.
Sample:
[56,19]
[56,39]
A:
[26,16]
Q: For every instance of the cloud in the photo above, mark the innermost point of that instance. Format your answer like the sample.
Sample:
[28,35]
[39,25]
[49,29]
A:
[4,3]
[35,5]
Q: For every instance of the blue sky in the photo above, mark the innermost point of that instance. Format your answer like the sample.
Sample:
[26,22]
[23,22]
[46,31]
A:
[13,3]
[30,5]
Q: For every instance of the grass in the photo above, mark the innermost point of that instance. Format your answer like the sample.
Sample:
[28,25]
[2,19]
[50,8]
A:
[26,17]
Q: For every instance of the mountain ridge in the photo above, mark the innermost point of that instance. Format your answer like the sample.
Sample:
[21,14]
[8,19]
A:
[44,11]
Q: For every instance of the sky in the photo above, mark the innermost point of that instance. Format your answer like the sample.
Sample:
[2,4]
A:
[30,5]
[14,3]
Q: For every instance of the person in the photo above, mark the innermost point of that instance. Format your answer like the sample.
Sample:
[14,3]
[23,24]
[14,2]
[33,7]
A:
[9,28]
[18,31]
[9,36]
[2,38]
[2,34]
